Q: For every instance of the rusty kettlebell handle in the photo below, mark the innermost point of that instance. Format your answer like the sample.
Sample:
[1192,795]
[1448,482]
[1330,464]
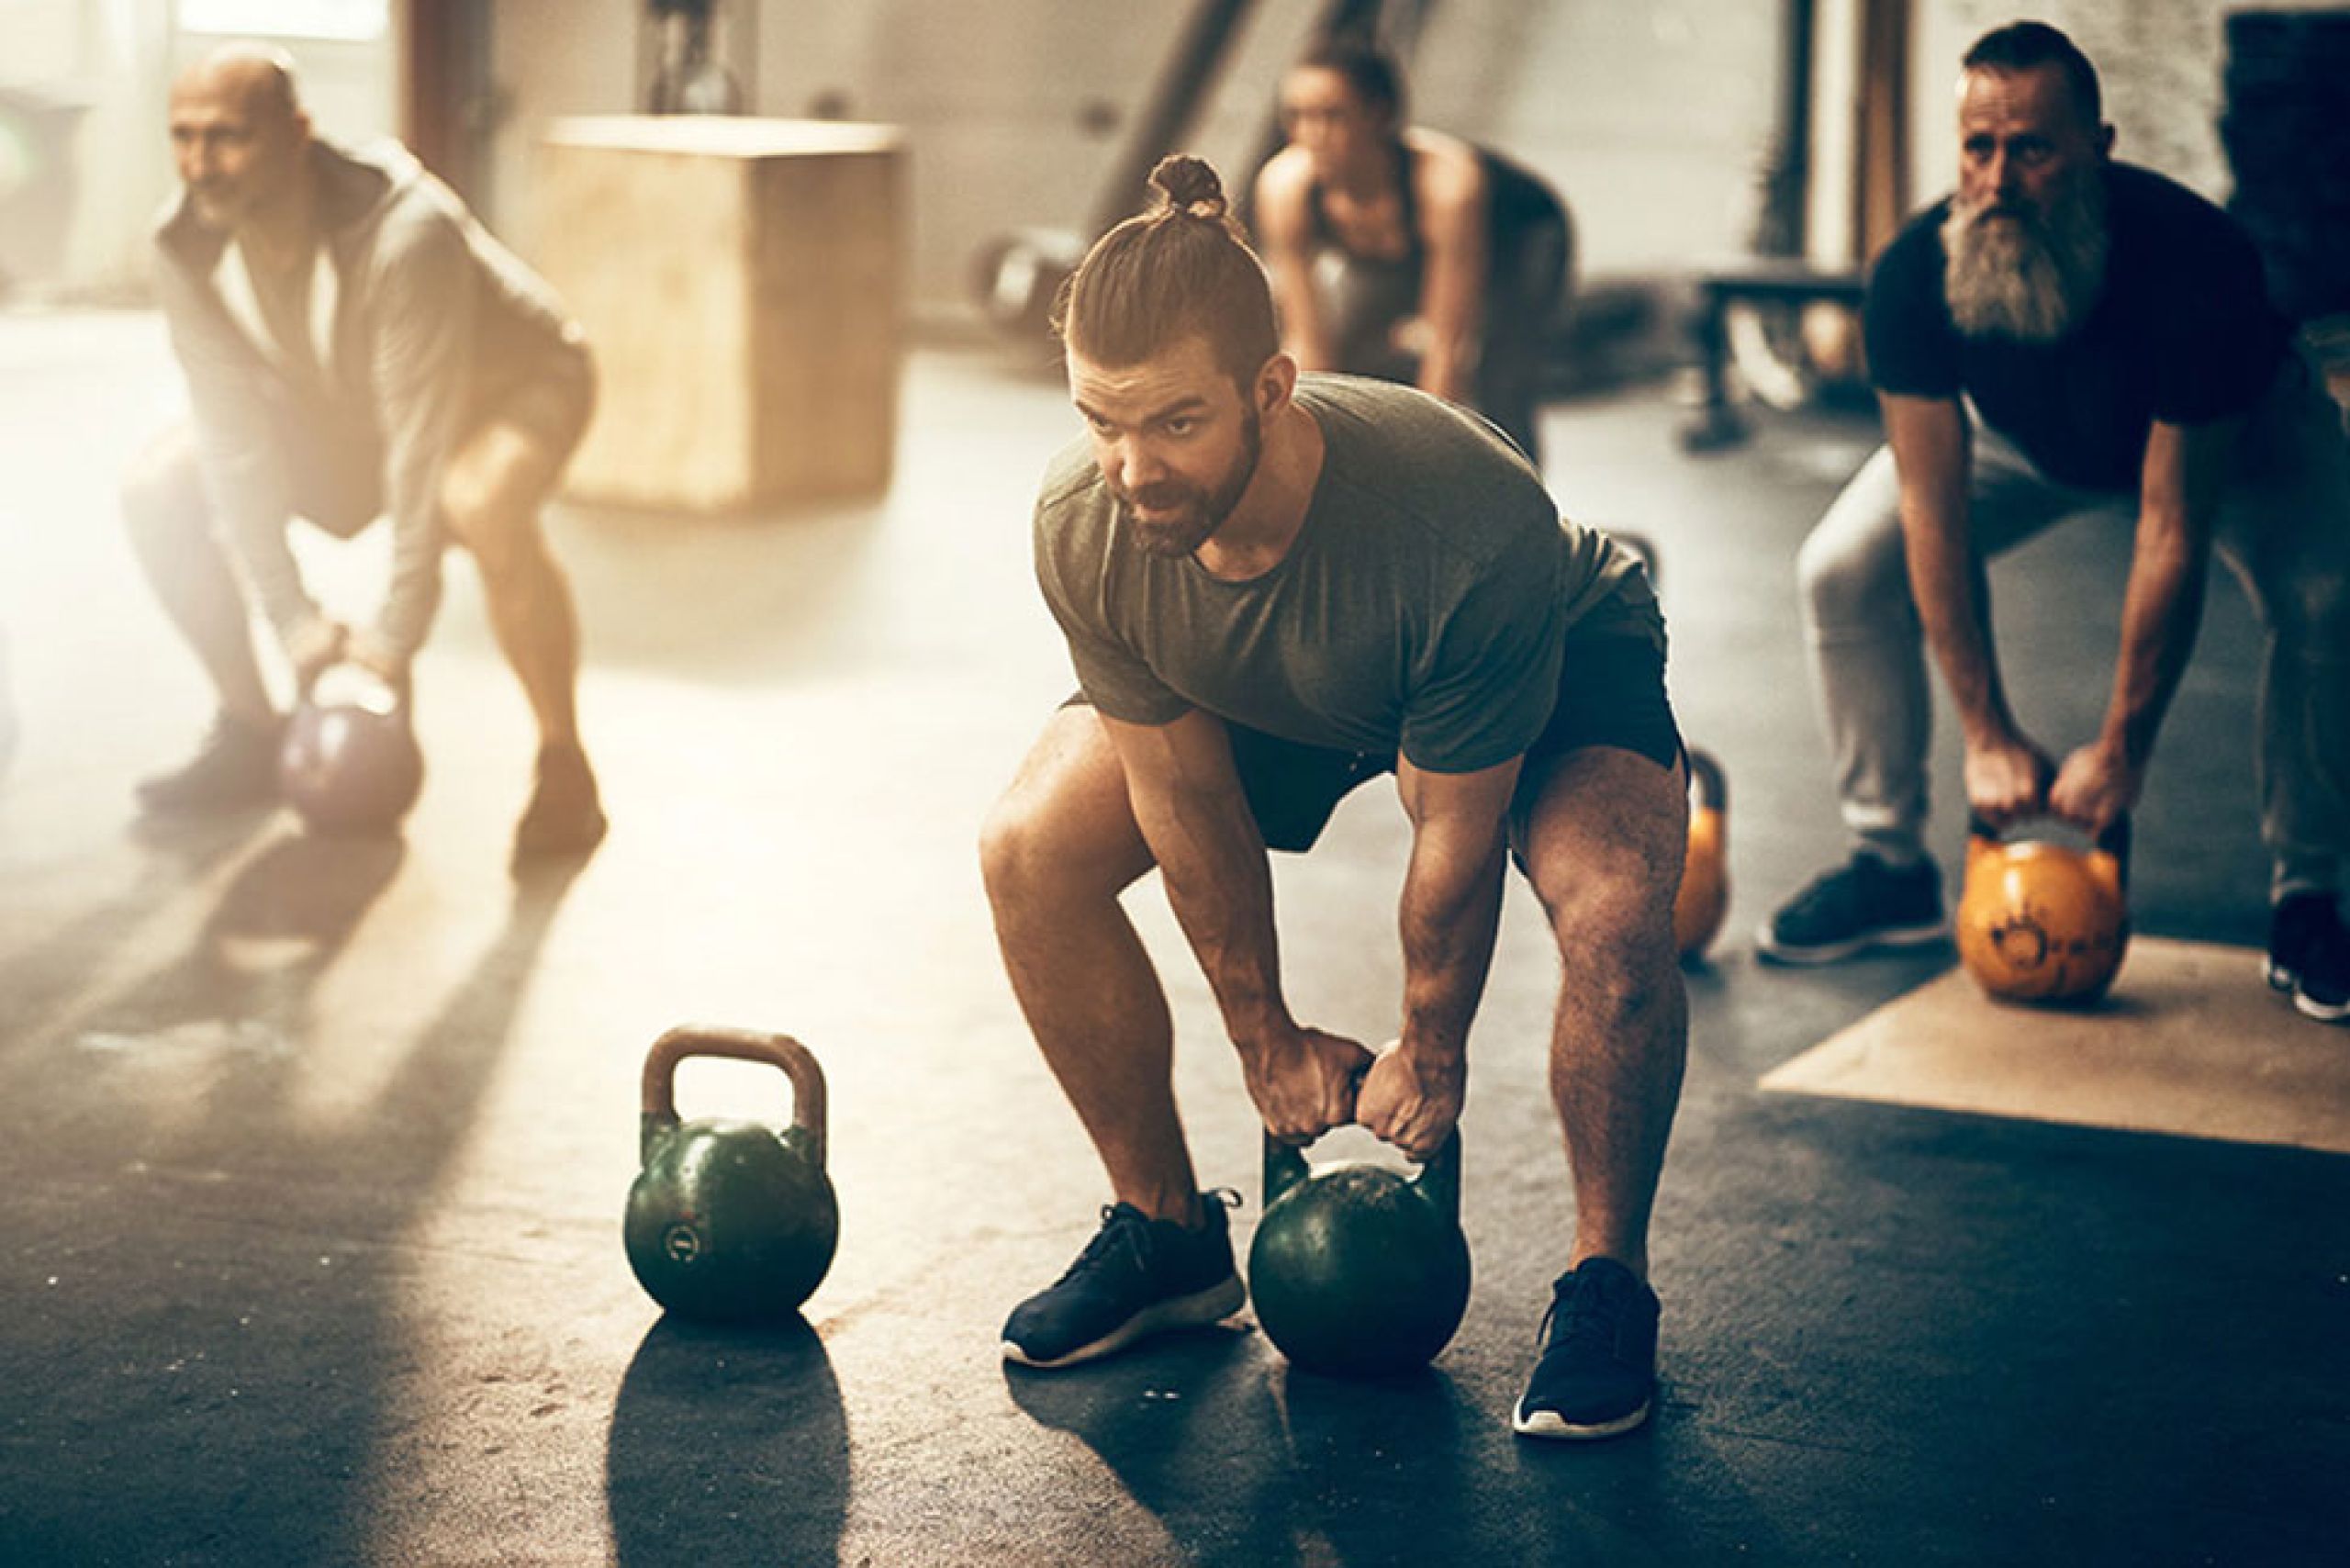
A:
[659,1099]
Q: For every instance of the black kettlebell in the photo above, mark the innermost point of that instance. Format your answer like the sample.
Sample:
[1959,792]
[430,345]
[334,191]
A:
[1354,1268]
[730,1221]
[349,763]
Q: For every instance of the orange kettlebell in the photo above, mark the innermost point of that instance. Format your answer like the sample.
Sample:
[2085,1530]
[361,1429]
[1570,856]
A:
[1698,907]
[2040,922]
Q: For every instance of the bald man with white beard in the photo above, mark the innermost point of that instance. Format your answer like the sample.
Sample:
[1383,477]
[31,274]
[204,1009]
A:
[2068,334]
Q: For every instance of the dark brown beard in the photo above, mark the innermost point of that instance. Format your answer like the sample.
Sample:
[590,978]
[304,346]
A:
[1206,511]
[2034,279]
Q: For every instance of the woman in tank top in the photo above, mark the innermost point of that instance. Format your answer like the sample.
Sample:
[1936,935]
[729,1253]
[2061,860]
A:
[1403,252]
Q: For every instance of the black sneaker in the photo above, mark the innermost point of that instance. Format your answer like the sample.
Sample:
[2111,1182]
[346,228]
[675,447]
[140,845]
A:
[1597,1375]
[1861,905]
[1138,1276]
[2308,954]
[234,768]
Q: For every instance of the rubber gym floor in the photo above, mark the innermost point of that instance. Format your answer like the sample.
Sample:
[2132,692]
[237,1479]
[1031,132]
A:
[312,1152]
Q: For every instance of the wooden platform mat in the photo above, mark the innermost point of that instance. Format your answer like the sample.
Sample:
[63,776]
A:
[2190,1042]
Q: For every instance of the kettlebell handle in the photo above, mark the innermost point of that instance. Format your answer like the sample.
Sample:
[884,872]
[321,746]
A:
[2113,841]
[659,1099]
[1705,775]
[1439,1175]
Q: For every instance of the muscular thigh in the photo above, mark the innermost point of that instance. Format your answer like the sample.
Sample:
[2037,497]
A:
[1067,804]
[503,472]
[493,485]
[1600,823]
[1604,845]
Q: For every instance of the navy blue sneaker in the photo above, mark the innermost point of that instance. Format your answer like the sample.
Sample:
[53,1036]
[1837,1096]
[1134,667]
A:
[1862,906]
[1138,1276]
[1597,1375]
[2309,956]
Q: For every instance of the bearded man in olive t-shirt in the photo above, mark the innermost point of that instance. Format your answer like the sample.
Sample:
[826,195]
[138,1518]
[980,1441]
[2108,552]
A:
[1274,588]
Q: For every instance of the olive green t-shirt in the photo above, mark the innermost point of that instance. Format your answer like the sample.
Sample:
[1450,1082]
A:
[1422,609]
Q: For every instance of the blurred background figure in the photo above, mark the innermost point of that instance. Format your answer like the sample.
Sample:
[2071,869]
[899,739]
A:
[1404,253]
[354,344]
[2285,128]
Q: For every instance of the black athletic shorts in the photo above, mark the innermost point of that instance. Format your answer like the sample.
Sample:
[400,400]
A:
[1611,692]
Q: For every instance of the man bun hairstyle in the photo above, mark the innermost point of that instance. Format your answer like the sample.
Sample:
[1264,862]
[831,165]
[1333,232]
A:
[2025,46]
[1182,268]
[1190,183]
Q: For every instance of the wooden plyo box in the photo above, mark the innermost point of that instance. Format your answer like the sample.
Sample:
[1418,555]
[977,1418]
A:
[740,282]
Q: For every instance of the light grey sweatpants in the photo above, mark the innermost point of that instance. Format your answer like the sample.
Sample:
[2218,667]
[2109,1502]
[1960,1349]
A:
[2284,529]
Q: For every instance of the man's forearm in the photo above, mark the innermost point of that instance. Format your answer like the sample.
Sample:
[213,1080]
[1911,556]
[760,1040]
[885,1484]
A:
[256,531]
[1220,885]
[421,434]
[239,447]
[1451,909]
[2162,612]
[426,313]
[2185,472]
[1934,452]
[1944,584]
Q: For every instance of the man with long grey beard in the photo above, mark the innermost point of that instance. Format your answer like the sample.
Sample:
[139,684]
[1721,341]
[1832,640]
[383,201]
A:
[2068,334]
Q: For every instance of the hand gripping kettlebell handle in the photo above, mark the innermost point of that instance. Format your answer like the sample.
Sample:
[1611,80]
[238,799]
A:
[1439,1176]
[659,1100]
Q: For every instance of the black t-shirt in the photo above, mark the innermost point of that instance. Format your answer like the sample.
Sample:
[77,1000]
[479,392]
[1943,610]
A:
[2183,333]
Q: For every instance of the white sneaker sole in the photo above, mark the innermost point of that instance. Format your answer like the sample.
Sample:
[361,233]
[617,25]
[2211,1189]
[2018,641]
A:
[2281,979]
[1551,1423]
[1892,937]
[1194,1311]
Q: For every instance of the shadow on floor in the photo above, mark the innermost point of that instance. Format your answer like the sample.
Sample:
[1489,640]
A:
[205,1311]
[723,1438]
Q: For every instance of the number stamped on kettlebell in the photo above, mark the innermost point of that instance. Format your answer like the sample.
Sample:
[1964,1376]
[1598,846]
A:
[682,1243]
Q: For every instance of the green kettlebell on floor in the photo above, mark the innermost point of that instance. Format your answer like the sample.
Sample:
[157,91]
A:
[730,1221]
[1356,1269]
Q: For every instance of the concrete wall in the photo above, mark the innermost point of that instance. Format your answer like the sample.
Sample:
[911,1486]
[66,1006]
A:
[1650,116]
[2158,62]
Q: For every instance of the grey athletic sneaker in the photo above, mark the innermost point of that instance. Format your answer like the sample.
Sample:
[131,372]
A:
[1863,905]
[1138,1276]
